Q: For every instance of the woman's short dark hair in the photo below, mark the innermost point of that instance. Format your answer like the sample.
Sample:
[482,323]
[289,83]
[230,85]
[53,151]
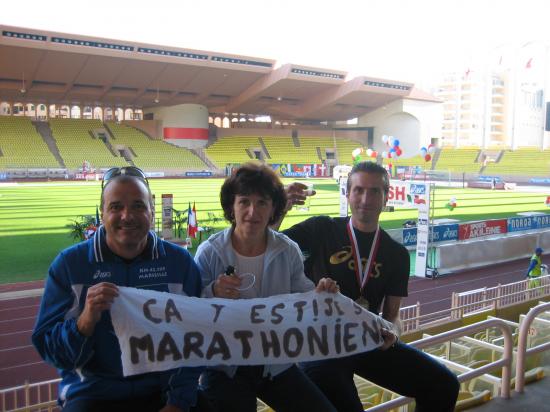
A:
[253,178]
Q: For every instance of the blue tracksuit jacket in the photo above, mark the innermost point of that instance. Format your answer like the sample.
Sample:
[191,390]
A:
[90,367]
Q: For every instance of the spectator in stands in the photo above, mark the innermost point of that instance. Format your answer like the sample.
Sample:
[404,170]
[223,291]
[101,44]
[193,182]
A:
[372,269]
[534,271]
[252,198]
[74,332]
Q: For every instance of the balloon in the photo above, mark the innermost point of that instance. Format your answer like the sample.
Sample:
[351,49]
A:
[389,155]
[369,152]
[431,149]
[391,139]
[398,151]
[451,204]
[356,152]
[384,154]
[374,154]
[423,151]
[396,142]
[427,158]
[384,138]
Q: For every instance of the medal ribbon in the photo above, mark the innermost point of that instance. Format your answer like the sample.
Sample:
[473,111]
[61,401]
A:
[362,274]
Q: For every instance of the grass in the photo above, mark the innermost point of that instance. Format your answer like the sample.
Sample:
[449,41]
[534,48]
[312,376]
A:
[34,216]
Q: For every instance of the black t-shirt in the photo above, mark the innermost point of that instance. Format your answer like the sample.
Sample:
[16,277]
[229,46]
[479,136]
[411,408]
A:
[326,246]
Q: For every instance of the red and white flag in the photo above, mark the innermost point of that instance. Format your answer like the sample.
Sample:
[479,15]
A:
[192,225]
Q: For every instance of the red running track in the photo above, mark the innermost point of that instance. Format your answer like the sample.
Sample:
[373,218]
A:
[19,362]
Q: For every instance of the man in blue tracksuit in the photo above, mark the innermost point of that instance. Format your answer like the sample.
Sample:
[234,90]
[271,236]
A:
[74,332]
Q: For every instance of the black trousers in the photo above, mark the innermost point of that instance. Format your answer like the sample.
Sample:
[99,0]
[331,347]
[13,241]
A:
[401,369]
[290,391]
[153,403]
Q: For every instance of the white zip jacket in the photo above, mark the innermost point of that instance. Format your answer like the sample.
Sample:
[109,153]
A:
[283,273]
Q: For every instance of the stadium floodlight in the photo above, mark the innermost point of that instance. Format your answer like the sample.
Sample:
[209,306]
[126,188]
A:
[157,100]
[23,90]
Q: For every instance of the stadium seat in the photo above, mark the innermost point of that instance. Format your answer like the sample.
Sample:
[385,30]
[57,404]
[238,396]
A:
[531,375]
[468,400]
[232,150]
[21,146]
[76,144]
[527,161]
[152,154]
[458,160]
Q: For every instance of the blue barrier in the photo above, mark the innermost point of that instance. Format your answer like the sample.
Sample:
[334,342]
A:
[439,233]
[198,174]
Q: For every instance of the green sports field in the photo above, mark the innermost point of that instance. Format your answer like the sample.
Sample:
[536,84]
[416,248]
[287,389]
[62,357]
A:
[34,216]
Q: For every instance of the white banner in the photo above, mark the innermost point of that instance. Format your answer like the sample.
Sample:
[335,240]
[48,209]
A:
[423,235]
[159,331]
[407,194]
[343,182]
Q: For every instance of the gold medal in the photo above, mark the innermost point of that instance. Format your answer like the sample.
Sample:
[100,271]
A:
[363,302]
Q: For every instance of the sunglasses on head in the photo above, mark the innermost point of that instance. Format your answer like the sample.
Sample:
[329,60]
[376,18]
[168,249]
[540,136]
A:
[123,171]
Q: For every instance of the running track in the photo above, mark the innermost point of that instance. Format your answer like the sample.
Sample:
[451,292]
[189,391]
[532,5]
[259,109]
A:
[19,362]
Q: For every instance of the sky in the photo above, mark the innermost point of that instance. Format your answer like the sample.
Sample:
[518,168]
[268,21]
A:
[413,41]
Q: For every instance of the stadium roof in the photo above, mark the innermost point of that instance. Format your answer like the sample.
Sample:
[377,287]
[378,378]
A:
[59,68]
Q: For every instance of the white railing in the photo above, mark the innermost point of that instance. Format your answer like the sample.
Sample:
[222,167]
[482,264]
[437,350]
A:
[410,316]
[40,396]
[522,351]
[475,301]
[505,362]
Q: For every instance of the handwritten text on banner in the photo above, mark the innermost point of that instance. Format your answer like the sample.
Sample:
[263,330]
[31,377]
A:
[159,331]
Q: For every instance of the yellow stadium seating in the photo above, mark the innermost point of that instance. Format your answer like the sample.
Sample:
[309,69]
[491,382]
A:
[280,149]
[153,154]
[22,146]
[459,160]
[76,144]
[468,400]
[522,161]
[232,150]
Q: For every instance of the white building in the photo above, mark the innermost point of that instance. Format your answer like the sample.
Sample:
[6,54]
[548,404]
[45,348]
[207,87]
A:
[500,102]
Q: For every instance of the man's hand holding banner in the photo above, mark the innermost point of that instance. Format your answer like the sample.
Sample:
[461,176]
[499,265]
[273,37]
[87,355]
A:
[160,331]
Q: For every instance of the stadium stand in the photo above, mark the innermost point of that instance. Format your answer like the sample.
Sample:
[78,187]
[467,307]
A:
[231,150]
[522,161]
[21,146]
[459,160]
[283,150]
[151,154]
[280,149]
[76,143]
[344,148]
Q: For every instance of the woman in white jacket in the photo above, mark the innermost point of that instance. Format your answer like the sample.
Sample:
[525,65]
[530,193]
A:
[253,198]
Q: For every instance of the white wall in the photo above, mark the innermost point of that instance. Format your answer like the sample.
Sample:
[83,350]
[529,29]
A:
[182,116]
[413,122]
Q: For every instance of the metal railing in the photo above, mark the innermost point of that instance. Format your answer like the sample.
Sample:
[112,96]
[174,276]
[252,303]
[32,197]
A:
[475,301]
[39,396]
[505,362]
[522,351]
